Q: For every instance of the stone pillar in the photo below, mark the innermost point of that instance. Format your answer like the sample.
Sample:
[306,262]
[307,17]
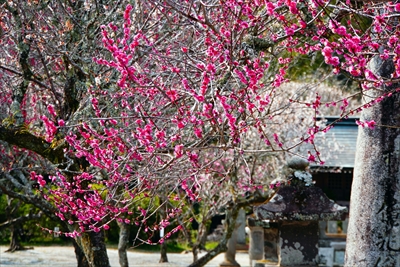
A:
[298,243]
[324,240]
[241,231]
[271,238]
[322,229]
[345,224]
[373,237]
[256,247]
[332,227]
[229,260]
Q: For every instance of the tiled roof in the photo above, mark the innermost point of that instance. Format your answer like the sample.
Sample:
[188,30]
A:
[338,145]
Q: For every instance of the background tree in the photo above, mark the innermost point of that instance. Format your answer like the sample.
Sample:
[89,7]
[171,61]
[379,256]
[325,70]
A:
[15,224]
[46,48]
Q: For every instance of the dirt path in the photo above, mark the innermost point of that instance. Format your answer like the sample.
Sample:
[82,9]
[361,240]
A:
[60,256]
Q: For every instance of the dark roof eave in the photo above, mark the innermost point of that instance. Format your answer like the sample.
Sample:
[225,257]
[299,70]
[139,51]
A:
[335,169]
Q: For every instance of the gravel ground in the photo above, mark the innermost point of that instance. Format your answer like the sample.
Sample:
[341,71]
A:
[60,256]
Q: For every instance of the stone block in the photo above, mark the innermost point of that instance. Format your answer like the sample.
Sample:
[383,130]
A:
[241,232]
[271,238]
[332,227]
[345,225]
[256,248]
[339,252]
[322,229]
[326,256]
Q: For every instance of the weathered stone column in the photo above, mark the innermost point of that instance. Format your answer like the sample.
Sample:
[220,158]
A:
[332,227]
[322,227]
[230,254]
[345,225]
[373,237]
[256,246]
[241,232]
[271,242]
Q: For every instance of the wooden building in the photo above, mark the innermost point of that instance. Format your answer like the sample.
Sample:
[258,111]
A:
[337,148]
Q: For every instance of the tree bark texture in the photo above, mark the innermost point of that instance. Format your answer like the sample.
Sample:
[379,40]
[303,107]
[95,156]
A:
[200,242]
[123,244]
[163,253]
[373,237]
[195,252]
[80,256]
[14,240]
[94,248]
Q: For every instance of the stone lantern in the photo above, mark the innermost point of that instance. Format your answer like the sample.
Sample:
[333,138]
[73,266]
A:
[297,206]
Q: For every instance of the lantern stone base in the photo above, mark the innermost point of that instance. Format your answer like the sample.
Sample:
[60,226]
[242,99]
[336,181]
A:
[298,243]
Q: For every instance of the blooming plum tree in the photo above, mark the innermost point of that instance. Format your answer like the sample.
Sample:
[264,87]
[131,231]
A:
[178,95]
[46,49]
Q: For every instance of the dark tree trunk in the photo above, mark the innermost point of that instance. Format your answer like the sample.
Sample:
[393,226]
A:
[186,233]
[163,249]
[14,224]
[163,252]
[203,232]
[80,256]
[200,241]
[373,237]
[15,240]
[195,252]
[94,248]
[123,244]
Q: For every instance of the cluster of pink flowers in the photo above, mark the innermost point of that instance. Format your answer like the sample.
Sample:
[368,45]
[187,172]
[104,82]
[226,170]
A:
[369,124]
